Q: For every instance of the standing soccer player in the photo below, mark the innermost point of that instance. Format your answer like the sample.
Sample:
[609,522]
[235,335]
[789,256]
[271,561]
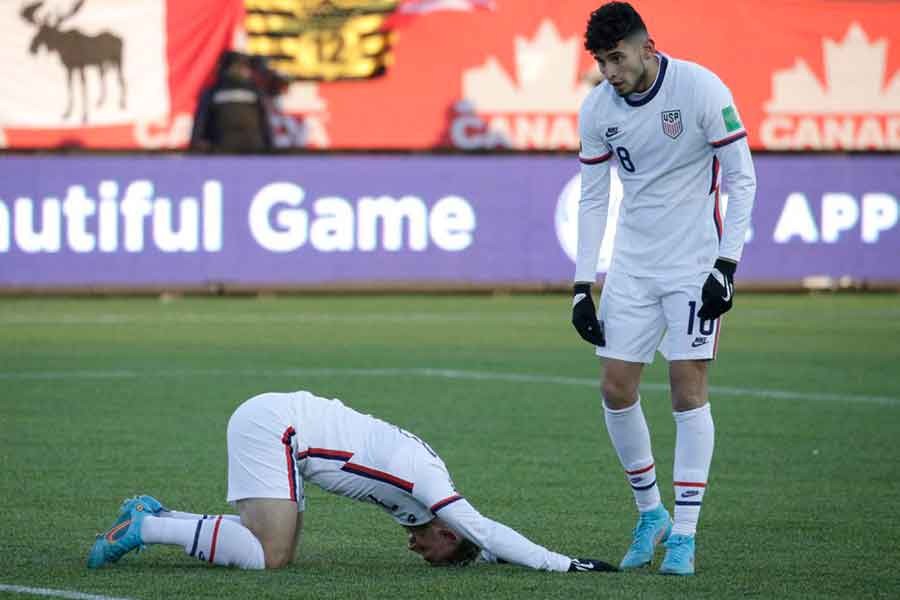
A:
[673,127]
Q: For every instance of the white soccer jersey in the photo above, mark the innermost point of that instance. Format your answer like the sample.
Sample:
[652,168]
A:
[364,458]
[671,144]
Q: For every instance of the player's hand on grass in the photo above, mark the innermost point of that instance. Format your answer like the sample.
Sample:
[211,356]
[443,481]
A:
[584,316]
[718,291]
[581,565]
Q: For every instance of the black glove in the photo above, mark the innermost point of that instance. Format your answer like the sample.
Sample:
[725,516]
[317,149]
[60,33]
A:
[718,291]
[584,316]
[589,564]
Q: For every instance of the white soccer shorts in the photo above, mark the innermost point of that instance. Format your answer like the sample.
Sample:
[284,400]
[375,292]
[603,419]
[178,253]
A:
[261,451]
[645,314]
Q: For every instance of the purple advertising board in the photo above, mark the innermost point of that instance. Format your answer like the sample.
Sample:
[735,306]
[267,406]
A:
[336,220]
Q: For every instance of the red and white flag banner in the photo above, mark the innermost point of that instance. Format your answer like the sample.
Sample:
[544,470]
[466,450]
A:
[106,73]
[426,74]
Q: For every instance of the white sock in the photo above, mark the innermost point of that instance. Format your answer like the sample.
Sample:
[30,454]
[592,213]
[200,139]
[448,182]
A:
[694,440]
[631,438]
[177,514]
[219,540]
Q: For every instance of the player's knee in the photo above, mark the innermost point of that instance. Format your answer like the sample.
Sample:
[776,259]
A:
[278,552]
[618,394]
[688,400]
[277,558]
[688,382]
[276,524]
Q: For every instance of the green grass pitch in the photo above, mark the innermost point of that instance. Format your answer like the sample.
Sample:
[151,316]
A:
[105,398]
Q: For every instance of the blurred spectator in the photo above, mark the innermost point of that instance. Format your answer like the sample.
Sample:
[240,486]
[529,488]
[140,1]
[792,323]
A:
[232,115]
[286,130]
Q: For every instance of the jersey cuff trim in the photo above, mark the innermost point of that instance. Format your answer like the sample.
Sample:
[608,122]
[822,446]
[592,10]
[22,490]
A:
[729,139]
[595,160]
[445,502]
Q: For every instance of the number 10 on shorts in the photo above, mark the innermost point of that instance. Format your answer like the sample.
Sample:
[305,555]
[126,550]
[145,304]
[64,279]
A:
[707,326]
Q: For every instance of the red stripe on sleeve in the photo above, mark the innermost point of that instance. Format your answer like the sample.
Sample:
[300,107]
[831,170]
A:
[715,175]
[596,159]
[446,501]
[326,453]
[729,139]
[381,475]
[717,215]
[215,538]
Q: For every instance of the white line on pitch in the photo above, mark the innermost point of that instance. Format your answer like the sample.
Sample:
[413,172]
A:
[253,319]
[453,374]
[20,589]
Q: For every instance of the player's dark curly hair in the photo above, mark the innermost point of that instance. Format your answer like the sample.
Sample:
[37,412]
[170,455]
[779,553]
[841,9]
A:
[465,554]
[610,24]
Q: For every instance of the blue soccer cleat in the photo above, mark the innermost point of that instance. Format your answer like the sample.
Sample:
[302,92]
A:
[151,505]
[653,527]
[125,534]
[679,558]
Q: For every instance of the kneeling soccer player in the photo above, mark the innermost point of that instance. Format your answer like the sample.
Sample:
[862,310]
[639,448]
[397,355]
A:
[276,442]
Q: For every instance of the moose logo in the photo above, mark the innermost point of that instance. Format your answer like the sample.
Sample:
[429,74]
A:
[77,51]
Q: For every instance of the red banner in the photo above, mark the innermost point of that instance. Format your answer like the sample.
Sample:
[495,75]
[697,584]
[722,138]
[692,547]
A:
[815,75]
[106,73]
[504,74]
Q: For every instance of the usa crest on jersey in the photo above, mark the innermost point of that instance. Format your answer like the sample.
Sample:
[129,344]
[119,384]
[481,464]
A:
[671,123]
